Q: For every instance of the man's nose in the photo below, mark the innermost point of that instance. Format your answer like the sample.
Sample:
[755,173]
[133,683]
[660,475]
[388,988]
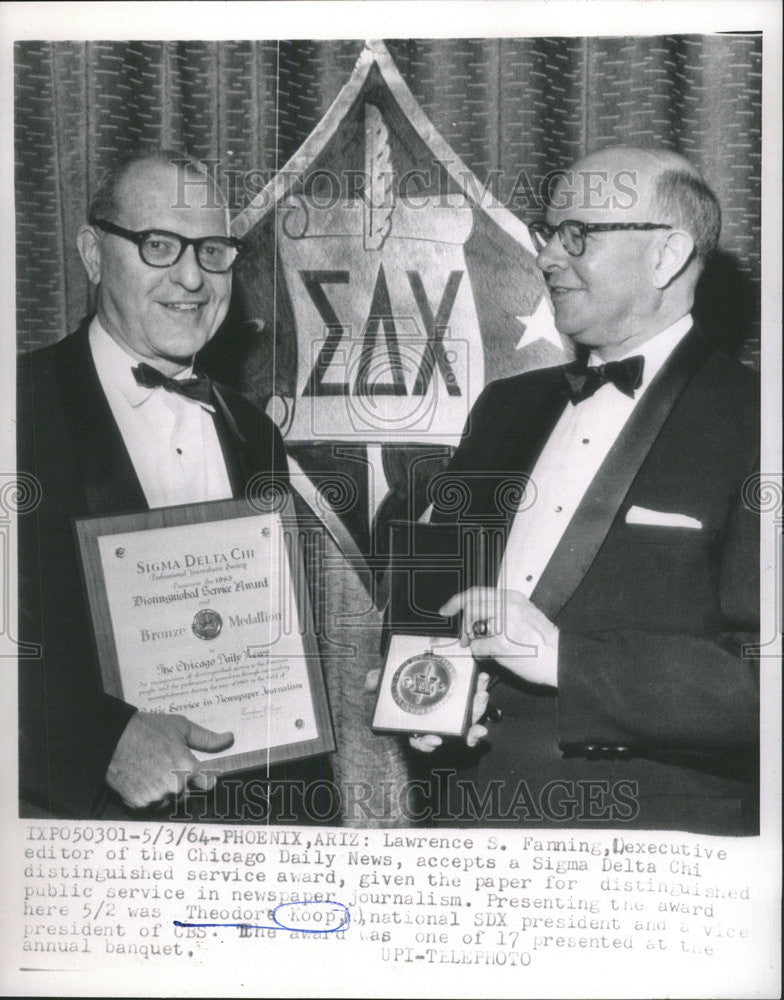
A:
[186,271]
[552,256]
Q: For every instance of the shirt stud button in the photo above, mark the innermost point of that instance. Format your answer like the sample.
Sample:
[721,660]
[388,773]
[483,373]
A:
[586,440]
[558,510]
[179,451]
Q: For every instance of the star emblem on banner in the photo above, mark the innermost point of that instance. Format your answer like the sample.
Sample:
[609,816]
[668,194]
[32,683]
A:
[539,325]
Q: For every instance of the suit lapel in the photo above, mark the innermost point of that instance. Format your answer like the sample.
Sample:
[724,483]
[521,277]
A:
[110,482]
[597,510]
[515,459]
[518,452]
[507,443]
[233,443]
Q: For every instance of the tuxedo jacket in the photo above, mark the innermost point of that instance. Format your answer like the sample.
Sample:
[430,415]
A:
[69,440]
[657,684]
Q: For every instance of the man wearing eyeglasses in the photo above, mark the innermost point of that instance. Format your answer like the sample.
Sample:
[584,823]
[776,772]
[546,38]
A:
[619,624]
[115,418]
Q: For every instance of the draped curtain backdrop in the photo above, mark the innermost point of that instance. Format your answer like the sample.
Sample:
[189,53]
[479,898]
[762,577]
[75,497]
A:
[506,106]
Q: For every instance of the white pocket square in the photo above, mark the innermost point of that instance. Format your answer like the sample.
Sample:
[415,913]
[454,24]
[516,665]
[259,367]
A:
[662,519]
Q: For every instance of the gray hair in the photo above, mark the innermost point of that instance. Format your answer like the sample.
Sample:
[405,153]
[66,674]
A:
[685,200]
[104,203]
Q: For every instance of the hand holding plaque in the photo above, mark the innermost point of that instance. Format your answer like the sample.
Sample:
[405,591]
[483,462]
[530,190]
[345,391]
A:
[503,625]
[429,680]
[202,611]
[153,758]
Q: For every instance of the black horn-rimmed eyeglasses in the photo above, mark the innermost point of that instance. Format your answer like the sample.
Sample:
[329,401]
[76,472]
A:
[572,233]
[161,248]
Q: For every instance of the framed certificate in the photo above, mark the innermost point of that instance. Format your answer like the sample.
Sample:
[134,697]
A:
[203,611]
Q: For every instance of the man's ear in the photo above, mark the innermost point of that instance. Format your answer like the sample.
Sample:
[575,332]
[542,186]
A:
[672,256]
[90,252]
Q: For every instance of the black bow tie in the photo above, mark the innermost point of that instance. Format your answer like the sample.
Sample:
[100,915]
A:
[198,388]
[625,375]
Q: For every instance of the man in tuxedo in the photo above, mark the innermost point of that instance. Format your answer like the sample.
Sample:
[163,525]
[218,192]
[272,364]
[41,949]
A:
[113,419]
[619,624]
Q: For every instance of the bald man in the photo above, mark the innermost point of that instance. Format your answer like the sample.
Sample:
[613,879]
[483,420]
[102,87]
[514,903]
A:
[103,437]
[618,624]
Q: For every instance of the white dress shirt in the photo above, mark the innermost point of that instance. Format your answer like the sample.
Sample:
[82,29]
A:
[579,443]
[171,440]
